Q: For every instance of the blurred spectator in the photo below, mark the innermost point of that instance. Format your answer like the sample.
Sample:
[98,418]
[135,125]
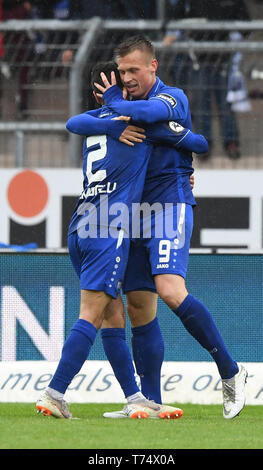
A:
[16,9]
[20,10]
[50,9]
[1,35]
[107,10]
[85,9]
[207,73]
[117,9]
[139,9]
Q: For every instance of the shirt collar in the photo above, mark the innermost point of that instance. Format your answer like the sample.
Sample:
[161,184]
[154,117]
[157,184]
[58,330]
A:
[155,88]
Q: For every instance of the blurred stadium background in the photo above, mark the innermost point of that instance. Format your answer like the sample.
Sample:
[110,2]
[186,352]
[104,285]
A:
[45,62]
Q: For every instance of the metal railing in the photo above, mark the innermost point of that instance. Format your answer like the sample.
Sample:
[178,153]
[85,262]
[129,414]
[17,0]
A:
[33,67]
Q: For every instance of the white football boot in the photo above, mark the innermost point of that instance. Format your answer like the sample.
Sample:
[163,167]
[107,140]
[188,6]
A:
[146,409]
[50,407]
[234,393]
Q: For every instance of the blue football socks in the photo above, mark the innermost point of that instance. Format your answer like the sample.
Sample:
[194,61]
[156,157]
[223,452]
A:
[148,354]
[119,357]
[199,323]
[74,353]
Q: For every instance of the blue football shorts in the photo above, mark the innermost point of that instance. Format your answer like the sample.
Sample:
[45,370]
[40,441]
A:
[100,263]
[165,253]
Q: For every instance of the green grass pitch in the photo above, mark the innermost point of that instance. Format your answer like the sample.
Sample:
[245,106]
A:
[201,427]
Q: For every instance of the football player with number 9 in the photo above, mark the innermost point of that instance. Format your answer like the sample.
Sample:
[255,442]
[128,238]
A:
[167,181]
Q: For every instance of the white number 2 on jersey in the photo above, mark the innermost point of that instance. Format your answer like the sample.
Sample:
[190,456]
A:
[95,155]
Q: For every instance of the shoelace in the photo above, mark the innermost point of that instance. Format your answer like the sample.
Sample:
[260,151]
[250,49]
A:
[151,404]
[64,406]
[228,392]
[145,402]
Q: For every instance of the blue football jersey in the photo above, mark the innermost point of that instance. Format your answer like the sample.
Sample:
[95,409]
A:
[167,178]
[114,173]
[113,179]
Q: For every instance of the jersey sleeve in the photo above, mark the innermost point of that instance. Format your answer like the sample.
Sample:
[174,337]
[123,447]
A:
[166,106]
[87,124]
[173,134]
[193,142]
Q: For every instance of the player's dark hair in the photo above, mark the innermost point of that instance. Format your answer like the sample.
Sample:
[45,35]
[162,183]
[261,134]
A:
[107,68]
[133,43]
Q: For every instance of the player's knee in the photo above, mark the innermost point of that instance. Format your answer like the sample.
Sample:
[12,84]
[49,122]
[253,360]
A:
[169,297]
[114,319]
[139,314]
[135,312]
[114,314]
[141,307]
[171,290]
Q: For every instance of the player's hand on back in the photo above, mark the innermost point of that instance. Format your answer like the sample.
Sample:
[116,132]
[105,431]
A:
[131,135]
[122,118]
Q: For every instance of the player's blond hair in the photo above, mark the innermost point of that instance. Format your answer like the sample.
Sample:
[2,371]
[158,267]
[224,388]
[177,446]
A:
[138,42]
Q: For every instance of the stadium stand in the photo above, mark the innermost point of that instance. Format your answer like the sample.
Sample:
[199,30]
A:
[54,57]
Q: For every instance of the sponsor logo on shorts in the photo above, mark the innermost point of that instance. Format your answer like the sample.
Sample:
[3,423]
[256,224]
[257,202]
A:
[162,265]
